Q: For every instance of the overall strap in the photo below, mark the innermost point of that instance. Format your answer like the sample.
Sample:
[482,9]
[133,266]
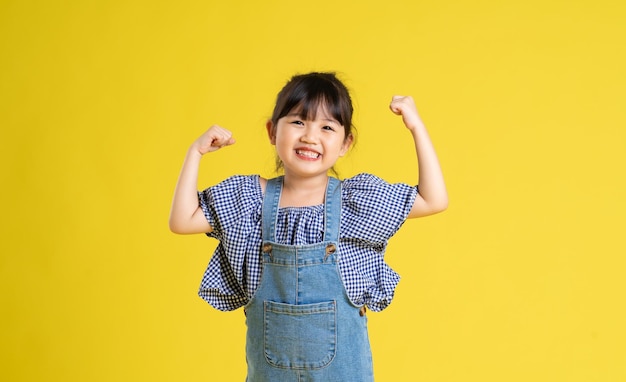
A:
[332,209]
[270,208]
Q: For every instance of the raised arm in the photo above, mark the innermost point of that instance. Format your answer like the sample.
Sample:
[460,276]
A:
[186,216]
[432,197]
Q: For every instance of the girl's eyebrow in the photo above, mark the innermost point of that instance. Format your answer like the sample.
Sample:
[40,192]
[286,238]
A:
[322,119]
[330,120]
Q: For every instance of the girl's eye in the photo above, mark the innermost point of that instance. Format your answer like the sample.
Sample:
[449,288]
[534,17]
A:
[300,123]
[328,128]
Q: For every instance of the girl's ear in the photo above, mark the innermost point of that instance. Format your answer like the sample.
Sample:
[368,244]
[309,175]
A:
[271,133]
[346,145]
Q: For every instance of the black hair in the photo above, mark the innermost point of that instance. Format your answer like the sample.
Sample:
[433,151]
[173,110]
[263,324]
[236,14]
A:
[306,93]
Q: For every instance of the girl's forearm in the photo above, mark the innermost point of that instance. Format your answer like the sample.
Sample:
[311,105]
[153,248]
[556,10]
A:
[186,216]
[433,196]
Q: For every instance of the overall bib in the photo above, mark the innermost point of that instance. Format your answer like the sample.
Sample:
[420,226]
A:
[301,323]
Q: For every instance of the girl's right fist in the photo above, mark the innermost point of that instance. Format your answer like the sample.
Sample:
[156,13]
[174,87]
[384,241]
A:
[213,139]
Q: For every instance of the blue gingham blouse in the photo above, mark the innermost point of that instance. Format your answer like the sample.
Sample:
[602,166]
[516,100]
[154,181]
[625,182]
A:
[372,211]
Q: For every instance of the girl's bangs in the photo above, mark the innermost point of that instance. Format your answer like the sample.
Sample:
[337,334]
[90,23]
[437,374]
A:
[308,108]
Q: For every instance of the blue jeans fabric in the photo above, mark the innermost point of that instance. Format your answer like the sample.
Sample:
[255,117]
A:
[301,323]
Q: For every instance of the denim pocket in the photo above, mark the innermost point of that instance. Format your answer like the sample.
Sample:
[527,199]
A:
[300,336]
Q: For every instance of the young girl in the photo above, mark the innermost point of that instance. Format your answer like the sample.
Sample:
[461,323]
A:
[303,252]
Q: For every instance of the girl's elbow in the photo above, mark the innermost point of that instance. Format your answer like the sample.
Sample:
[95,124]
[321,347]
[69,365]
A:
[178,227]
[175,227]
[436,208]
[443,204]
[441,208]
[189,227]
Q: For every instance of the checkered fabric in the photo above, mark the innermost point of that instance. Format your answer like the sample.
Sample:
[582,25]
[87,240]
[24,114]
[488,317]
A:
[372,212]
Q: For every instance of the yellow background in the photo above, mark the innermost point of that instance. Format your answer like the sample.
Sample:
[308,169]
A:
[522,279]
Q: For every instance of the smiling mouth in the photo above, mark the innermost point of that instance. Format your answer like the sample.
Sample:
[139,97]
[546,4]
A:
[308,154]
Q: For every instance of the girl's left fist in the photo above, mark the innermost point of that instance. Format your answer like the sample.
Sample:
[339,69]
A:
[405,106]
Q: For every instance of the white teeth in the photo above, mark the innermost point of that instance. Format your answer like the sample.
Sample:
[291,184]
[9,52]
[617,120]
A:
[308,154]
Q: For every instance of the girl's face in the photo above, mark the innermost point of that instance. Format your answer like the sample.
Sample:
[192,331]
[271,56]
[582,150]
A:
[308,147]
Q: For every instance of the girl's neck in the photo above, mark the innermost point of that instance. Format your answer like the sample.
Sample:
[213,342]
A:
[302,192]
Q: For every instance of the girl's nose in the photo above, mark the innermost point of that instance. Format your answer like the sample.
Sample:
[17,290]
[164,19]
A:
[308,136]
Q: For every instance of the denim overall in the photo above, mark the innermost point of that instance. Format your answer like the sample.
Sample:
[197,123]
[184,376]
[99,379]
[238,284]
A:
[301,324]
